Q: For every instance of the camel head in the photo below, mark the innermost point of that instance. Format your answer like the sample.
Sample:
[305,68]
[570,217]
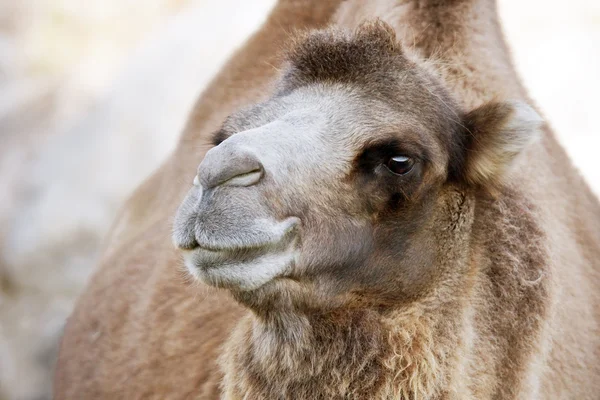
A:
[350,184]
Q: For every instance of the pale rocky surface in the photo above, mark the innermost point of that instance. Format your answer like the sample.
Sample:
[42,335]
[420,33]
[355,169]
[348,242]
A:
[93,96]
[79,129]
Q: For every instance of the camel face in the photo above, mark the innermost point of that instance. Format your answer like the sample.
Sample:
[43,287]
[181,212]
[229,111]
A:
[338,183]
[316,169]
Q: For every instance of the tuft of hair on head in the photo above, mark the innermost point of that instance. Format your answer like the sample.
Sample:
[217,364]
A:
[496,133]
[335,55]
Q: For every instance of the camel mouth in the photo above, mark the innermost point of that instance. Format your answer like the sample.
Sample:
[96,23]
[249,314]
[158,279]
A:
[233,264]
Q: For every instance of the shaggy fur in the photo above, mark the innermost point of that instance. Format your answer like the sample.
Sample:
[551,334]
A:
[357,352]
[472,295]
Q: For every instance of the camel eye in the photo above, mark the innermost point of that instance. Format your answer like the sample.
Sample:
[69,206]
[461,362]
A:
[400,165]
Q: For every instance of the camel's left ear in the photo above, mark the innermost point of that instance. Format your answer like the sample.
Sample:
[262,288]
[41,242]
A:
[496,133]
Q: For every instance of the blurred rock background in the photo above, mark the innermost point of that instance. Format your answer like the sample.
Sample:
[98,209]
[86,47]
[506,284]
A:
[93,96]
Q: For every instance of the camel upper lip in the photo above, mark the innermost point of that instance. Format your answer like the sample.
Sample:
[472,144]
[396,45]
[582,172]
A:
[223,248]
[226,246]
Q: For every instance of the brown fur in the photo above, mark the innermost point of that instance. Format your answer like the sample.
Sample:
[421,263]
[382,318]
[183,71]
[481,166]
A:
[509,312]
[356,351]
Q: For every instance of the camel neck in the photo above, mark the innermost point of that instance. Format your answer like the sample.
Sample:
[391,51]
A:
[343,354]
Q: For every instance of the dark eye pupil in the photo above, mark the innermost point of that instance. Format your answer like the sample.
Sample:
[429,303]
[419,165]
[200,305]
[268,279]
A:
[400,165]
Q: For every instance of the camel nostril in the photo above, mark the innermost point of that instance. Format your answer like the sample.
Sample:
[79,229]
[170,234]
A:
[228,165]
[247,179]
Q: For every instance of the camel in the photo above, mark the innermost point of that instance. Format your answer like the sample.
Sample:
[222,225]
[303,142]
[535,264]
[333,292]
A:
[379,213]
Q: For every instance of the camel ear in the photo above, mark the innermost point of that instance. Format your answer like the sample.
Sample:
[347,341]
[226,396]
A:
[496,134]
